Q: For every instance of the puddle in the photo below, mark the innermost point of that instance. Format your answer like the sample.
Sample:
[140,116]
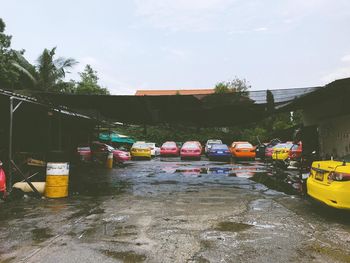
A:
[164,182]
[125,256]
[191,171]
[41,234]
[228,226]
[219,170]
[128,230]
[8,260]
[282,182]
[200,259]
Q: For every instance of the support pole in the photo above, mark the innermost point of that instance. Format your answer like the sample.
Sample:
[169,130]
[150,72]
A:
[10,179]
[109,133]
[59,131]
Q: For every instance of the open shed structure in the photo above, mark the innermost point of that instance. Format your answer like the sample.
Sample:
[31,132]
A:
[327,110]
[215,110]
[31,127]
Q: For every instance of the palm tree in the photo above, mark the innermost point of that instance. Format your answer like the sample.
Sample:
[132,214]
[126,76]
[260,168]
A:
[26,70]
[51,71]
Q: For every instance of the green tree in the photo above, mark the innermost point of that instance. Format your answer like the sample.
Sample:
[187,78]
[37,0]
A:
[51,72]
[89,83]
[9,75]
[16,72]
[237,85]
[221,88]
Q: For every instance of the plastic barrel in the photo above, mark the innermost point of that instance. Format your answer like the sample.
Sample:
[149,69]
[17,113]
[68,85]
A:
[109,163]
[57,180]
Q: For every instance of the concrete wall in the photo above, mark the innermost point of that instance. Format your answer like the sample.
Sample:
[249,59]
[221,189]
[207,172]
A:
[333,126]
[334,136]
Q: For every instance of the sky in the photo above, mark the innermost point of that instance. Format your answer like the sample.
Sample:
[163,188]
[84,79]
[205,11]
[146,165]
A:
[189,44]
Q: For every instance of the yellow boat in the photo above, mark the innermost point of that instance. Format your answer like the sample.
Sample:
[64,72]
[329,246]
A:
[329,182]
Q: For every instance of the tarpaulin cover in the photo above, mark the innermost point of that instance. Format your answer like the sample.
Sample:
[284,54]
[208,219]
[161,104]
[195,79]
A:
[114,137]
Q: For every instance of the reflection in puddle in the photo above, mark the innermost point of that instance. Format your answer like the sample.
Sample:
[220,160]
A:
[238,171]
[191,171]
[228,226]
[41,234]
[125,256]
[282,182]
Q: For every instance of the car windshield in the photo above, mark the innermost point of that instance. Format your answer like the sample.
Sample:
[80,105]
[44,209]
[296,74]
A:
[151,144]
[140,145]
[214,142]
[191,145]
[244,145]
[284,145]
[110,148]
[220,146]
[169,144]
[295,147]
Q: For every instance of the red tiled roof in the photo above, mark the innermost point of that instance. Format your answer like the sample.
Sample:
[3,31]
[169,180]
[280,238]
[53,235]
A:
[174,92]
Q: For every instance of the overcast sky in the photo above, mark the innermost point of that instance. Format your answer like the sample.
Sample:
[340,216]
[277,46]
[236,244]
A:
[182,44]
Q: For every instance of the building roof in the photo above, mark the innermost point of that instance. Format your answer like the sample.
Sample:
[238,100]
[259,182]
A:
[280,95]
[337,90]
[195,110]
[258,96]
[174,92]
[5,94]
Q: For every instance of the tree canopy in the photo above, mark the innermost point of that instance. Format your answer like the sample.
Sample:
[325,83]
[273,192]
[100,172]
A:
[9,74]
[89,83]
[237,85]
[50,71]
[48,74]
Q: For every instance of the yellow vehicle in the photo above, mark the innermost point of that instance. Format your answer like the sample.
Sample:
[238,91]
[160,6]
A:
[329,182]
[281,151]
[140,149]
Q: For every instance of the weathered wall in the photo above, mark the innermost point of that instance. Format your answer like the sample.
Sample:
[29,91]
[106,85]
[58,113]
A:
[334,136]
[333,123]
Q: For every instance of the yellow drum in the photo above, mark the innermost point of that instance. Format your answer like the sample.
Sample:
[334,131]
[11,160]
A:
[57,180]
[109,163]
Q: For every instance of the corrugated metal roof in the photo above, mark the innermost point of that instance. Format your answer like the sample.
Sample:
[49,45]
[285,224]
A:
[280,95]
[60,109]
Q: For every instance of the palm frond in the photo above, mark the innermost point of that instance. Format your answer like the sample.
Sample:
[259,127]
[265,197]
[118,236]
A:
[24,71]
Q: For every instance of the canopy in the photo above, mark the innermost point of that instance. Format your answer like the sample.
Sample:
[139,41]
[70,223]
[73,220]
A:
[114,137]
[193,110]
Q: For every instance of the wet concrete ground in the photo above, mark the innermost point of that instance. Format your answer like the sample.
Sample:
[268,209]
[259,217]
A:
[167,210]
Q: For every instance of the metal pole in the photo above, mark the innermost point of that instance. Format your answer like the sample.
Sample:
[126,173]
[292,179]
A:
[59,131]
[10,146]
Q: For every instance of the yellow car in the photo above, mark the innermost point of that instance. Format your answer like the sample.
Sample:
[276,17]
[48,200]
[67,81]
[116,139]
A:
[140,149]
[281,151]
[329,182]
